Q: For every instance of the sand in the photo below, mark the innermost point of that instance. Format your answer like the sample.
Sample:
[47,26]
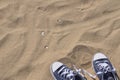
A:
[35,33]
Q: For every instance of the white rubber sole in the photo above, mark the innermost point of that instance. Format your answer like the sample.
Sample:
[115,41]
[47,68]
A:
[52,73]
[99,56]
[54,67]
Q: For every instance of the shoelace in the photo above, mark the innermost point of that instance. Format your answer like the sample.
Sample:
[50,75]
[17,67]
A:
[66,73]
[104,67]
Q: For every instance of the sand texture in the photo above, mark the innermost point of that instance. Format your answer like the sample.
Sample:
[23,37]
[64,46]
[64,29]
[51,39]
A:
[35,33]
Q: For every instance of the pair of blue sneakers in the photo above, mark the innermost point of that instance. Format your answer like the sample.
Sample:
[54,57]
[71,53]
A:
[101,64]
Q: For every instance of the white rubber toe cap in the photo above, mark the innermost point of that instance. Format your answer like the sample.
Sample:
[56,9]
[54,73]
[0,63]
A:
[99,56]
[56,65]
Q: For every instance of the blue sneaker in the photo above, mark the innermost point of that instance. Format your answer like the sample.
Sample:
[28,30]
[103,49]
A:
[103,68]
[61,72]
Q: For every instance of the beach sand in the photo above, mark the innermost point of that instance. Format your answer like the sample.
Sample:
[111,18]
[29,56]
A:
[35,33]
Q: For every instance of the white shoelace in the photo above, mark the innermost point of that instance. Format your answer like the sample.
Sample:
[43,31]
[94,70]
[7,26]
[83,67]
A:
[104,67]
[67,73]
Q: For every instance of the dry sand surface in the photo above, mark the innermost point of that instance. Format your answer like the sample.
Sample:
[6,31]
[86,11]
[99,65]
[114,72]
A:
[35,33]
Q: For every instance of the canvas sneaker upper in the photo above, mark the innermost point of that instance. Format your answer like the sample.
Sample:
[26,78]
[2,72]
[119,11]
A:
[104,68]
[65,73]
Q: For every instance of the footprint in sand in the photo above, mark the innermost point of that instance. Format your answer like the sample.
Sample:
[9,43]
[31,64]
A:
[80,56]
